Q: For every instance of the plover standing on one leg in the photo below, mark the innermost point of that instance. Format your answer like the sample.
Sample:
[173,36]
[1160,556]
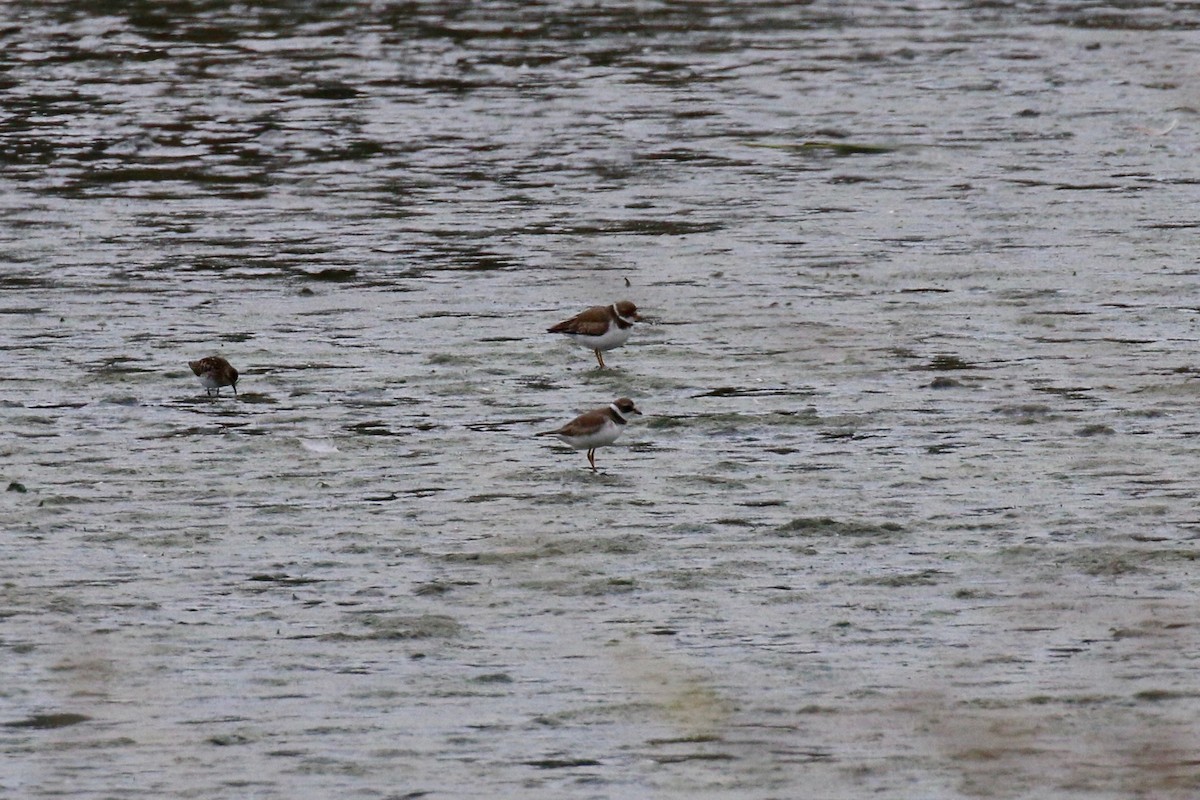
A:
[600,328]
[596,428]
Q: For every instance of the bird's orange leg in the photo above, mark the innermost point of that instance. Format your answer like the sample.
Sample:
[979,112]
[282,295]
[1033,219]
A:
[592,458]
[600,359]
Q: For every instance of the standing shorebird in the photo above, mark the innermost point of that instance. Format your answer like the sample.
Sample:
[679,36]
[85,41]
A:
[596,428]
[215,372]
[600,328]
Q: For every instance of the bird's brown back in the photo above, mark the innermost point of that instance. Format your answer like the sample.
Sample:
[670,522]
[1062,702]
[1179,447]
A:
[593,322]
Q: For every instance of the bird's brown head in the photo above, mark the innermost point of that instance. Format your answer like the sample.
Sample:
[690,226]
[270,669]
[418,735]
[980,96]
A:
[627,310]
[625,406]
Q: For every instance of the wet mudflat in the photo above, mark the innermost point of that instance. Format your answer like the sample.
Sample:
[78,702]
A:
[911,511]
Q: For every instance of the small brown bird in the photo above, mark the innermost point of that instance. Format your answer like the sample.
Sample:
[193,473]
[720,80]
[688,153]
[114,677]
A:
[600,327]
[215,372]
[596,428]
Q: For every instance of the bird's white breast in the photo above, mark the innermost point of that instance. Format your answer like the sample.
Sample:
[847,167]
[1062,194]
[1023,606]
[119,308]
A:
[606,434]
[615,336]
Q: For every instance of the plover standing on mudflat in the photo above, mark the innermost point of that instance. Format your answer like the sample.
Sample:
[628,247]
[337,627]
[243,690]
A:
[596,428]
[214,372]
[600,328]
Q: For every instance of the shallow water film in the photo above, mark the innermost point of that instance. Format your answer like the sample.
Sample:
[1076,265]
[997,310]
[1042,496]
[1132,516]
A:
[911,511]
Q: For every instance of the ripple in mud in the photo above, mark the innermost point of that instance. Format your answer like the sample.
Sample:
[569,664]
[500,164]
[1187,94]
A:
[829,147]
[399,626]
[946,362]
[371,428]
[558,547]
[827,526]
[283,579]
[48,721]
[925,577]
[756,391]
[329,274]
